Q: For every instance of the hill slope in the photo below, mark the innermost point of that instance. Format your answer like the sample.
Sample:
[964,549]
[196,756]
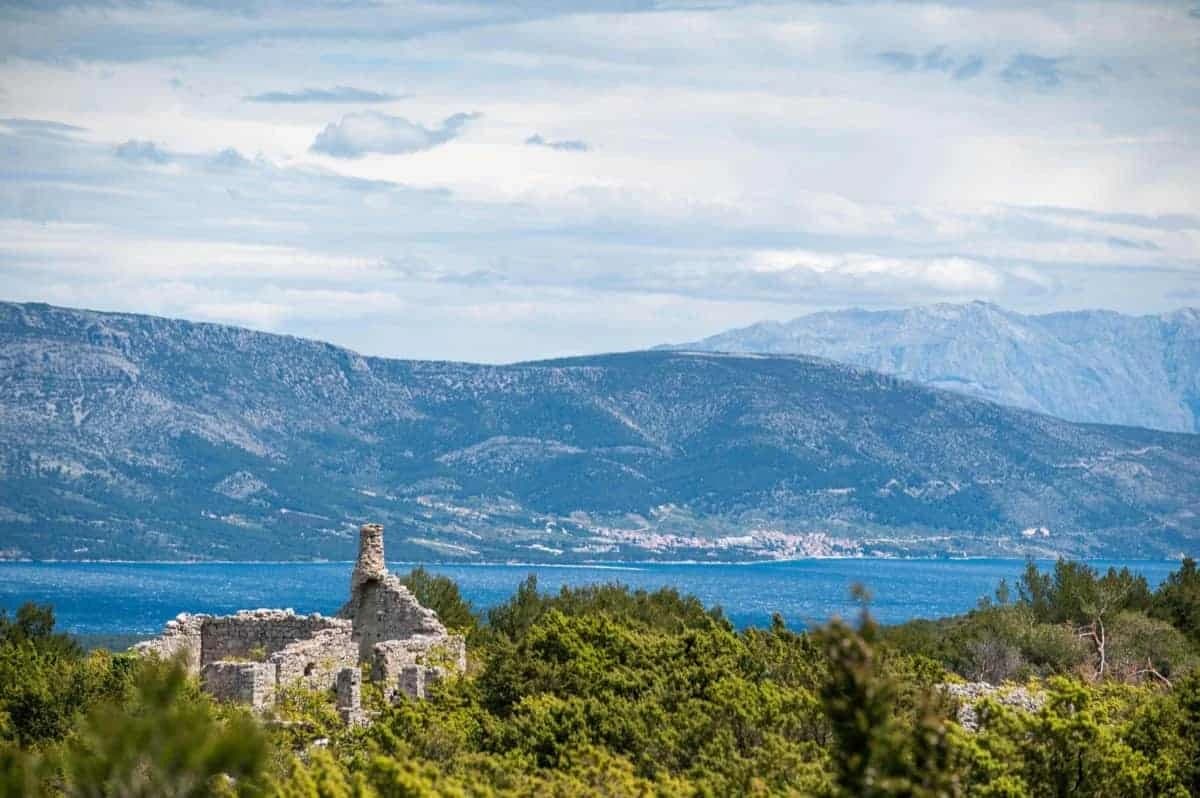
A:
[138,437]
[1092,366]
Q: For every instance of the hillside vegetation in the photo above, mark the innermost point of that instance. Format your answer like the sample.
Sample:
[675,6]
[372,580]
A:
[135,437]
[604,691]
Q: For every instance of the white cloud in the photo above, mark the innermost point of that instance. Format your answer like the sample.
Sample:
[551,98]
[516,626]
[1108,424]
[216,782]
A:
[369,132]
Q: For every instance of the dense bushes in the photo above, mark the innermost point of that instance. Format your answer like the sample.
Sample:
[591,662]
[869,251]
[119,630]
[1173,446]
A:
[1178,600]
[441,594]
[607,691]
[46,680]
[1072,620]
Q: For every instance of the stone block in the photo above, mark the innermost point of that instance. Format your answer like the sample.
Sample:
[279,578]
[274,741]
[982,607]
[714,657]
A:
[416,680]
[250,683]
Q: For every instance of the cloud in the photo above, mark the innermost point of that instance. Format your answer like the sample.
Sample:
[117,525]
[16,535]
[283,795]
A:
[1187,294]
[125,31]
[877,277]
[137,151]
[935,60]
[566,145]
[1137,245]
[40,127]
[1170,222]
[901,62]
[969,68]
[1033,70]
[338,94]
[228,158]
[372,132]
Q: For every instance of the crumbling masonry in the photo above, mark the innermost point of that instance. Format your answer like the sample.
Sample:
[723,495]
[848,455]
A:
[248,656]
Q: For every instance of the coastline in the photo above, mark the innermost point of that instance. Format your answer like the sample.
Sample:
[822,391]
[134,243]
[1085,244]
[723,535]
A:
[624,565]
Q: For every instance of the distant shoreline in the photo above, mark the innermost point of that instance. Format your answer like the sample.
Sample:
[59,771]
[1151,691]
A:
[616,565]
[138,598]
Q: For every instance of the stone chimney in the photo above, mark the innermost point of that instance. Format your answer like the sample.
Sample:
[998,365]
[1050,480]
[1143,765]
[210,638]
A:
[370,565]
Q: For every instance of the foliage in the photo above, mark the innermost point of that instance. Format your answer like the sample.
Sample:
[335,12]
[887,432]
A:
[664,609]
[1070,620]
[302,715]
[879,750]
[1075,593]
[441,594]
[167,740]
[1177,601]
[666,688]
[615,692]
[34,624]
[45,679]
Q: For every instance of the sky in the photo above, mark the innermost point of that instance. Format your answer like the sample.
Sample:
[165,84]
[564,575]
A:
[508,181]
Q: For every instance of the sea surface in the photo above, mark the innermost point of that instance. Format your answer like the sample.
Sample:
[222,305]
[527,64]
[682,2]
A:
[138,598]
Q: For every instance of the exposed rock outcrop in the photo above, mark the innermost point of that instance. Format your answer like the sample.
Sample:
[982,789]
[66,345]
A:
[971,694]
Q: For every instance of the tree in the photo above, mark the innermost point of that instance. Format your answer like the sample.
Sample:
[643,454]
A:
[321,777]
[1036,590]
[1188,696]
[876,752]
[514,617]
[1076,595]
[166,742]
[1068,747]
[34,623]
[46,681]
[441,594]
[1177,600]
[1148,649]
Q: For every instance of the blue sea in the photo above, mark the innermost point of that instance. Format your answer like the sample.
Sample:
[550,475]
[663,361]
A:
[137,598]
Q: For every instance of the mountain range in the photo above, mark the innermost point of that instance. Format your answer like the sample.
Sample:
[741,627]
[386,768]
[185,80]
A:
[135,437]
[1093,365]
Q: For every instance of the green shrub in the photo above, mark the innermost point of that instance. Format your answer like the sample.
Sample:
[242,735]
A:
[441,594]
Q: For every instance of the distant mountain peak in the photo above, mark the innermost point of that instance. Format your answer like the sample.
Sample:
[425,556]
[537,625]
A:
[1086,365]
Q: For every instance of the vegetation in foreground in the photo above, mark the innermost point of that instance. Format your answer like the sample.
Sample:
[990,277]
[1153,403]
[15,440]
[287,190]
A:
[607,691]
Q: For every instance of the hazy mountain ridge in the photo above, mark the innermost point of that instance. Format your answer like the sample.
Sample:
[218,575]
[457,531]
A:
[1092,366]
[137,437]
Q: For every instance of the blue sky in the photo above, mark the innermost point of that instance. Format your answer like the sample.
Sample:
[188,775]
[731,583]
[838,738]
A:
[498,182]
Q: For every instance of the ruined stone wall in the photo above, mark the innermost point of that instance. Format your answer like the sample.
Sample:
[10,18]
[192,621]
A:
[390,659]
[315,662]
[384,609]
[416,680]
[247,656]
[257,634]
[250,683]
[181,638]
[348,692]
[380,607]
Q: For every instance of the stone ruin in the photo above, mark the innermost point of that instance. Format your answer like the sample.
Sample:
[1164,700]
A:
[246,657]
[969,696]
